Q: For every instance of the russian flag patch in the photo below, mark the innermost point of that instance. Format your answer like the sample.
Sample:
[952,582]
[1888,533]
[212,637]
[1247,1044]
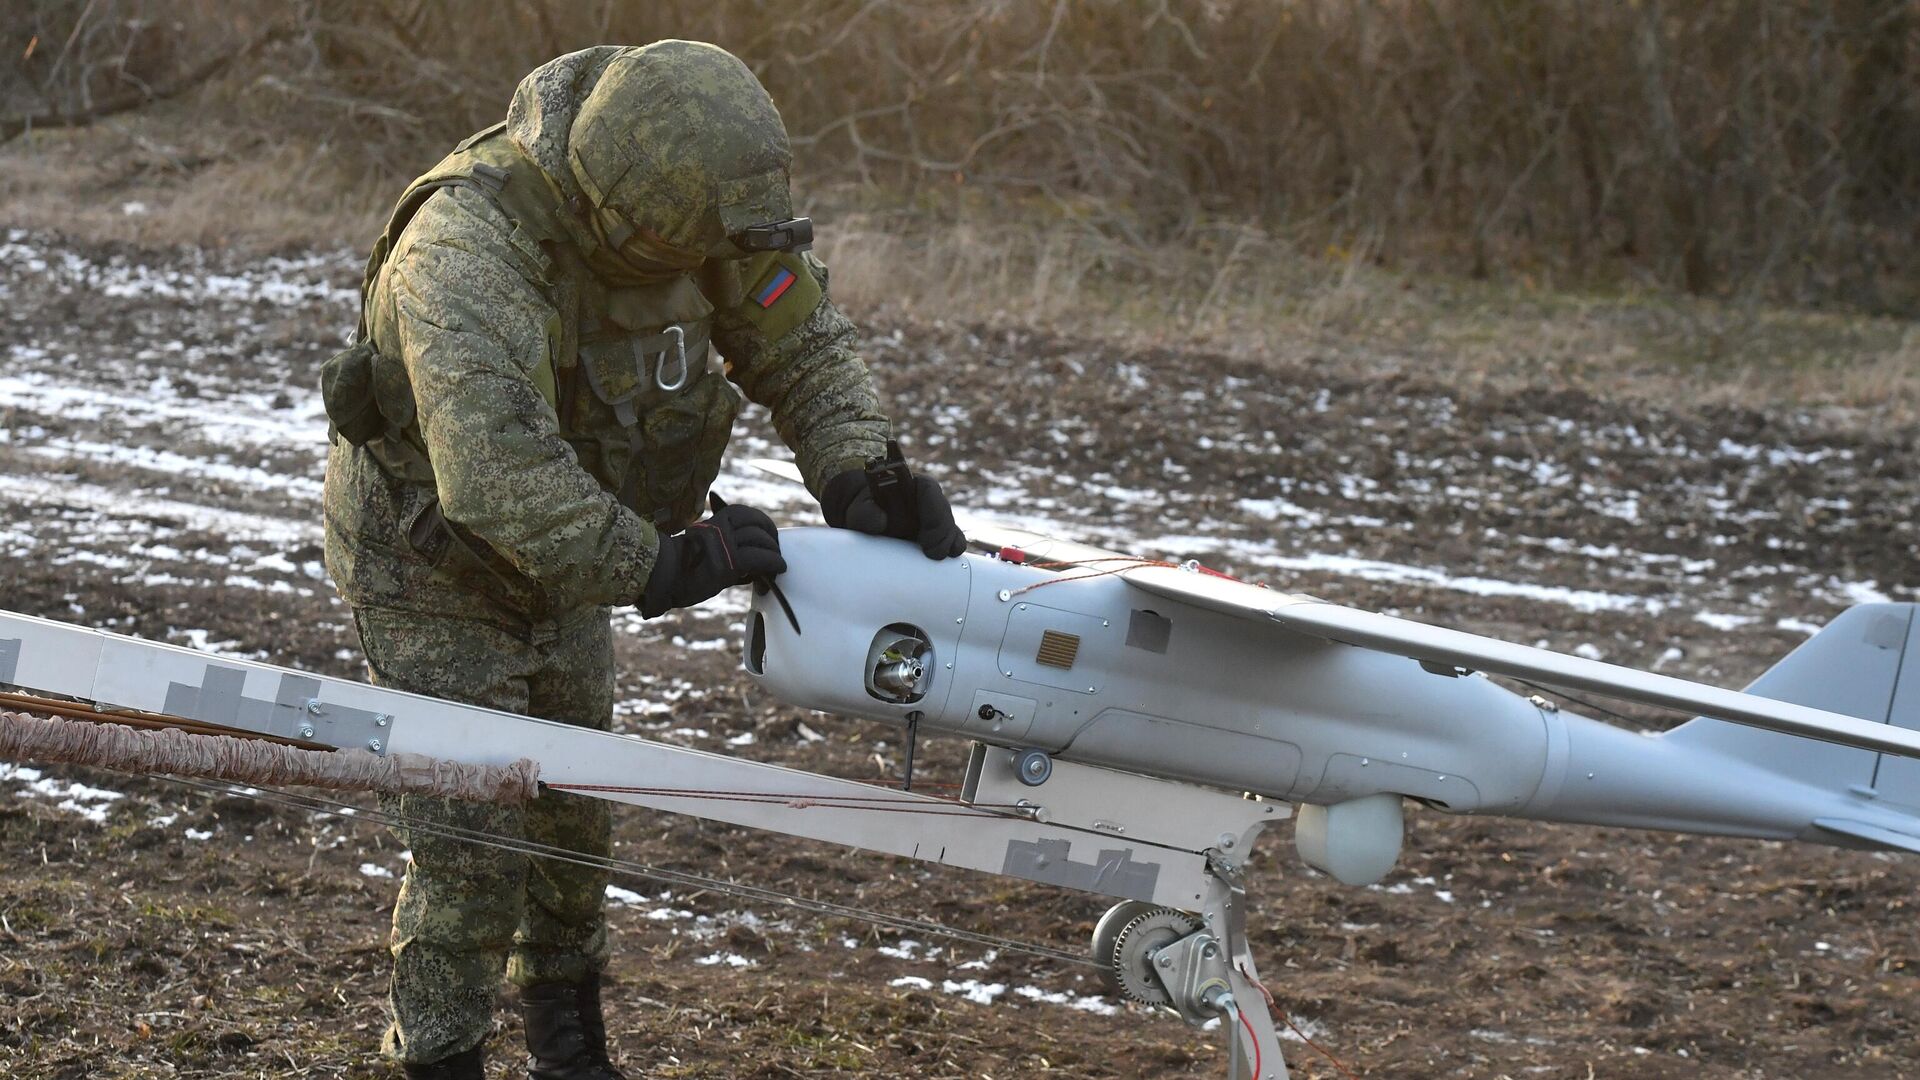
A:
[774,288]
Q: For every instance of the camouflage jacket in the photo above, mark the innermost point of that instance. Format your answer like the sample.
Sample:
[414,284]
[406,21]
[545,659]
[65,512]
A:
[537,428]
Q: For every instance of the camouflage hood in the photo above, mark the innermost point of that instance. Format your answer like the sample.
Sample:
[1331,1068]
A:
[663,150]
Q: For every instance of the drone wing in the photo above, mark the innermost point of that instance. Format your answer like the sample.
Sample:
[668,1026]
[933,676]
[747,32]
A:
[1438,646]
[1441,647]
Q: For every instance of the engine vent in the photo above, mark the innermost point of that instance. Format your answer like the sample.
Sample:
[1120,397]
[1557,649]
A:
[1058,649]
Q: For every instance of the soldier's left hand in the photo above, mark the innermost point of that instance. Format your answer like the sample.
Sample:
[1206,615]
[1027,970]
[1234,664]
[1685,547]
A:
[734,546]
[848,503]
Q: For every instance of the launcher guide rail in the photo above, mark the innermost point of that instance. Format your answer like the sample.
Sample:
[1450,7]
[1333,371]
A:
[1152,842]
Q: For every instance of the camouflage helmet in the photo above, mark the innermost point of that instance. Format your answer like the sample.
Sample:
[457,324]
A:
[677,148]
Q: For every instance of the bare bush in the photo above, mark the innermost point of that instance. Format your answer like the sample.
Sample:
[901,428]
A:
[1726,147]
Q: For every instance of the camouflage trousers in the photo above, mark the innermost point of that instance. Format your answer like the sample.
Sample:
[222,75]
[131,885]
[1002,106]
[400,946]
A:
[467,911]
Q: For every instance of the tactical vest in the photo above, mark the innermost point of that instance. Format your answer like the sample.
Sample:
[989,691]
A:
[629,372]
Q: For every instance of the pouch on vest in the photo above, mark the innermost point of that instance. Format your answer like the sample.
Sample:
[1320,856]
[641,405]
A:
[346,389]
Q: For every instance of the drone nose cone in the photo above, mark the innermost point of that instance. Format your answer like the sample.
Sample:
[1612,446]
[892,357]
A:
[868,625]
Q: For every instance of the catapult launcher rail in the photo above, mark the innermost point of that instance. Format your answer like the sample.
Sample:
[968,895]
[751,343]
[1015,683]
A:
[1174,851]
[1135,726]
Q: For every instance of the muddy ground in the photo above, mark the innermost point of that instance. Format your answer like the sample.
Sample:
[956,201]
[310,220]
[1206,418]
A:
[160,454]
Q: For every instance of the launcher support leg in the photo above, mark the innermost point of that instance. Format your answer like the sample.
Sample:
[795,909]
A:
[1201,968]
[1248,1018]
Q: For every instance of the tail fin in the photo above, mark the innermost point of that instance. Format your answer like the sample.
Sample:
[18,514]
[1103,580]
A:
[1866,663]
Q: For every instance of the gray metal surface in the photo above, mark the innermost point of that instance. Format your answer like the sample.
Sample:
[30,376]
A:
[1897,779]
[1852,667]
[1123,804]
[1437,644]
[295,711]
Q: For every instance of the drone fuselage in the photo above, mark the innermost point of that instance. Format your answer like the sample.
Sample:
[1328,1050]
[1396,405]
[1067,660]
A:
[1094,670]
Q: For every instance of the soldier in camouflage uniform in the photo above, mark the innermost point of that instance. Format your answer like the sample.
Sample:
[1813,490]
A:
[524,435]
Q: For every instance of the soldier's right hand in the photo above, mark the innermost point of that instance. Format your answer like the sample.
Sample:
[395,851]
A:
[734,546]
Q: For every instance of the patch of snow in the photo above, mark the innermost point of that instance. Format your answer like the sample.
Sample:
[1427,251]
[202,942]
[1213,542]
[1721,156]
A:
[625,896]
[732,960]
[1083,1003]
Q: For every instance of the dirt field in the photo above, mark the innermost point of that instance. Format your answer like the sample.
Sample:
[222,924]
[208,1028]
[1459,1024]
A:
[161,447]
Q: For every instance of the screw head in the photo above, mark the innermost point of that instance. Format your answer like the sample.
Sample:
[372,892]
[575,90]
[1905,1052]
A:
[381,720]
[306,731]
[313,706]
[373,745]
[1164,960]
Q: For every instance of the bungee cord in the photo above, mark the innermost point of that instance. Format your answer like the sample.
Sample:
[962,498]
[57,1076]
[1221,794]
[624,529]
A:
[636,870]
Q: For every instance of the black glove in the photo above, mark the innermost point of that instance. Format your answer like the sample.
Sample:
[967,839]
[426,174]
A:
[736,545]
[921,516]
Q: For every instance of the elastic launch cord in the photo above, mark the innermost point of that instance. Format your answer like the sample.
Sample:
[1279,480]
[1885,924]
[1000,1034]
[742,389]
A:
[637,870]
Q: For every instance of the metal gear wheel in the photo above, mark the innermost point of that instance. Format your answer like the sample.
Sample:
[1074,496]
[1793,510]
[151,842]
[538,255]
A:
[1131,964]
[1107,931]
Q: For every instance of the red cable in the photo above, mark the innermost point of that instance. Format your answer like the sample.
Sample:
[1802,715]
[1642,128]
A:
[1252,1039]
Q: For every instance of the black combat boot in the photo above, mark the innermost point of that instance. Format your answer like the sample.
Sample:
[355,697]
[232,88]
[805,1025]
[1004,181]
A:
[466,1065]
[566,1035]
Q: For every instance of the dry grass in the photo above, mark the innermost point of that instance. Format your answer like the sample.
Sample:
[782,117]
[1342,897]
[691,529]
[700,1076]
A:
[1722,147]
[1236,292]
[164,183]
[1258,204]
[1253,297]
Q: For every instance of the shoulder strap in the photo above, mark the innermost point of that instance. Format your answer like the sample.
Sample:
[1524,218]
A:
[488,163]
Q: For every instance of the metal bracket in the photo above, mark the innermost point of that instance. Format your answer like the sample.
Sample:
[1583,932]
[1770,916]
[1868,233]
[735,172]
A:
[1225,911]
[1122,804]
[297,710]
[1209,974]
[1194,971]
